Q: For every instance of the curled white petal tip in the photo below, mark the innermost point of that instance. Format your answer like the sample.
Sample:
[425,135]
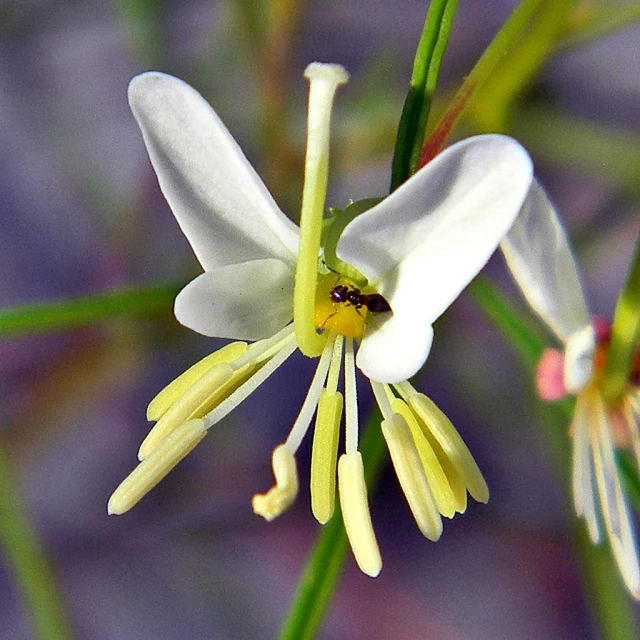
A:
[280,497]
[334,73]
[578,359]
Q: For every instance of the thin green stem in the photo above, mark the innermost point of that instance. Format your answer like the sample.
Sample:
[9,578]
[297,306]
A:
[324,565]
[625,331]
[76,312]
[415,112]
[24,553]
[610,609]
[500,46]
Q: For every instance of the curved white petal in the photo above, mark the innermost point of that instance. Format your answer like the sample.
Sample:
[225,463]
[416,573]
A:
[394,346]
[425,242]
[248,301]
[221,204]
[540,259]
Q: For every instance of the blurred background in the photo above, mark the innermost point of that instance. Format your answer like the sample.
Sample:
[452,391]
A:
[81,212]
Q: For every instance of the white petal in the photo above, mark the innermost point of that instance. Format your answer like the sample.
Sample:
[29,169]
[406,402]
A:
[540,259]
[578,359]
[394,346]
[221,204]
[248,301]
[425,242]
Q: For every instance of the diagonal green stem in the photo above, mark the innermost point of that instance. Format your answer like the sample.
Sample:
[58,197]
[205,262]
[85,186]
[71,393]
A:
[415,112]
[599,20]
[24,553]
[324,565]
[625,331]
[76,312]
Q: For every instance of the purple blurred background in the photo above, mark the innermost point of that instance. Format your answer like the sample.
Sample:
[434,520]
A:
[81,212]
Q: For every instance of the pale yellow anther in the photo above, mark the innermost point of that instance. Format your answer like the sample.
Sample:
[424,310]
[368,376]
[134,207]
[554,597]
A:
[198,399]
[154,468]
[447,501]
[174,390]
[411,475]
[356,515]
[440,427]
[324,456]
[280,497]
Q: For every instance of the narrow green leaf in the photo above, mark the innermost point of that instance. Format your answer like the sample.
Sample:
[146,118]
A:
[426,66]
[324,565]
[491,108]
[625,331]
[67,314]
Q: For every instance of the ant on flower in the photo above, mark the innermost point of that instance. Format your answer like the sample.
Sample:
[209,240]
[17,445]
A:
[375,302]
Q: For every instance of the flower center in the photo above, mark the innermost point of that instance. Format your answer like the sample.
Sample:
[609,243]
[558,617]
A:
[342,307]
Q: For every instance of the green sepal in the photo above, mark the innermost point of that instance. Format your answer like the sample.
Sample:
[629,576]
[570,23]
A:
[332,231]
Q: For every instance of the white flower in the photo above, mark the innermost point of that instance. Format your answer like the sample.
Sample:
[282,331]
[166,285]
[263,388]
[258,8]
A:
[539,257]
[401,262]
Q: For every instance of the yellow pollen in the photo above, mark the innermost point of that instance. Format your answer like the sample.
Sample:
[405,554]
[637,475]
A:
[341,317]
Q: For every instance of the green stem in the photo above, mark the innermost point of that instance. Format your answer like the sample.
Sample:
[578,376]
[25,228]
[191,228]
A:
[415,112]
[491,107]
[66,314]
[608,600]
[500,46]
[24,553]
[324,565]
[625,331]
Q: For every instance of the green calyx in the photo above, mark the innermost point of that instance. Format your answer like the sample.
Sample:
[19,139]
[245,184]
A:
[331,232]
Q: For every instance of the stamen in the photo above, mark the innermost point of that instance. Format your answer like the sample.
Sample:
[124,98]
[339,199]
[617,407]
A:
[612,500]
[174,390]
[351,400]
[310,403]
[246,389]
[324,80]
[356,515]
[411,475]
[582,475]
[199,398]
[447,500]
[264,349]
[381,393]
[324,453]
[448,438]
[280,497]
[154,468]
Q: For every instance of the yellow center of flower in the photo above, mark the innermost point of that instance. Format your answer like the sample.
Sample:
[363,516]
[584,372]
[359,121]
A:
[330,314]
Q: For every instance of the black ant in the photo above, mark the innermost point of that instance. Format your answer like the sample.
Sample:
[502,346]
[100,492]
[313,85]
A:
[374,302]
